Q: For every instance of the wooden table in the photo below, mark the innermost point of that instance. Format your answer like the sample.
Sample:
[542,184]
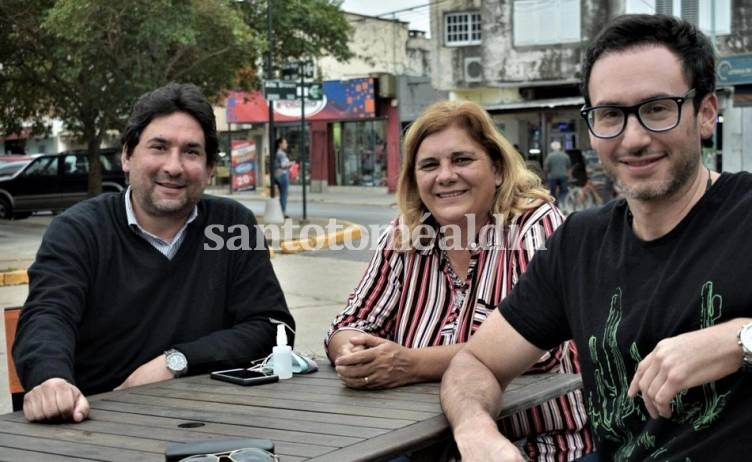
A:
[311,417]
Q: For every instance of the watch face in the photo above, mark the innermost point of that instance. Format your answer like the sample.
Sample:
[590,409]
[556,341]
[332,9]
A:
[176,362]
[746,336]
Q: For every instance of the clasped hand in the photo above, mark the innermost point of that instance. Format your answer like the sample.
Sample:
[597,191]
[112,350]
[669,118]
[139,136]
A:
[367,361]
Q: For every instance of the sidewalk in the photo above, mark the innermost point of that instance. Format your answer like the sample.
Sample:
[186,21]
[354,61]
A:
[345,195]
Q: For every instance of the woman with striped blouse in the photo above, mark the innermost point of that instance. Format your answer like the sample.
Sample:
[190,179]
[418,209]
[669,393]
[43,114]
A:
[471,218]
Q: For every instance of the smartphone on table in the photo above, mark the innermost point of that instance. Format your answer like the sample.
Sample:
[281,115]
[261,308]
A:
[244,377]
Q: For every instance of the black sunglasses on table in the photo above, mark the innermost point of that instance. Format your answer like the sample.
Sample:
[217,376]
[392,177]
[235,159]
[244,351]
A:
[238,455]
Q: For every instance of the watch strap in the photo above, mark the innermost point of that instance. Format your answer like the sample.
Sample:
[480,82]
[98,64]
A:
[746,352]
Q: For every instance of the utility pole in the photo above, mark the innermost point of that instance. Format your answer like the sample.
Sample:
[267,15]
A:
[272,148]
[272,208]
[303,153]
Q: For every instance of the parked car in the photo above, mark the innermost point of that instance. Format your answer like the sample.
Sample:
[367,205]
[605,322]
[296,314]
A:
[56,181]
[11,168]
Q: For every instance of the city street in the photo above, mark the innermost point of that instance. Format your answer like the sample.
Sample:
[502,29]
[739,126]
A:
[316,284]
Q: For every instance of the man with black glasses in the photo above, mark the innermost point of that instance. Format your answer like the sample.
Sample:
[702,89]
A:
[647,286]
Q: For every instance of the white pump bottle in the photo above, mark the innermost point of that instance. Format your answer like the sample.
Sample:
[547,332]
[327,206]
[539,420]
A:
[282,355]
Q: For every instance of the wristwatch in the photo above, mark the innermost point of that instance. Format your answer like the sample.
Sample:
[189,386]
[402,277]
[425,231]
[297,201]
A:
[176,362]
[744,338]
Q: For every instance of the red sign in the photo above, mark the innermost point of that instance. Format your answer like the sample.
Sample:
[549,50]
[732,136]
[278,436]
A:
[243,156]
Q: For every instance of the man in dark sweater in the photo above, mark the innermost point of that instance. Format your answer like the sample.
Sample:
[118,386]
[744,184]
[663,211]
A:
[127,289]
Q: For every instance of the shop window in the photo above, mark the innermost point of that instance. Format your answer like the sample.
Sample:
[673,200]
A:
[695,11]
[462,29]
[546,22]
[362,153]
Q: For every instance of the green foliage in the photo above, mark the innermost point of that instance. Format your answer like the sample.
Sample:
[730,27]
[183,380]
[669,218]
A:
[87,61]
[302,28]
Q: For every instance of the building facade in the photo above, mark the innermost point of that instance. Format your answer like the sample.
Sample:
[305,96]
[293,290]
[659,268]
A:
[352,137]
[521,60]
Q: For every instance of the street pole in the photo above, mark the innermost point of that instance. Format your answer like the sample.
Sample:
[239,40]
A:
[272,209]
[272,147]
[302,136]
[229,152]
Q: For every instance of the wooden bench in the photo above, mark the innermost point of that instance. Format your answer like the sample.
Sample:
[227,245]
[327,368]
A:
[11,316]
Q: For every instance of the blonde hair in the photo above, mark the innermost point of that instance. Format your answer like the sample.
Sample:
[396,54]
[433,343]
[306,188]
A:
[520,189]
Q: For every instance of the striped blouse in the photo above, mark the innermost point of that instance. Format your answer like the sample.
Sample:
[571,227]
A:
[410,298]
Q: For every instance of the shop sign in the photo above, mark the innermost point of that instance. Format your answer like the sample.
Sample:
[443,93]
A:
[734,70]
[243,165]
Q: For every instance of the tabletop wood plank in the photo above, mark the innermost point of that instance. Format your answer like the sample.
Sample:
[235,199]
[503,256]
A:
[76,433]
[280,415]
[239,431]
[379,398]
[48,445]
[8,454]
[235,418]
[535,389]
[387,446]
[364,408]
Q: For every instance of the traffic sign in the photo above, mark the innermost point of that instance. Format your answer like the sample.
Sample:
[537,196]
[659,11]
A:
[315,91]
[291,71]
[275,90]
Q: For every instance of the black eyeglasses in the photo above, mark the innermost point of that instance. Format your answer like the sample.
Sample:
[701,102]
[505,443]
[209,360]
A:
[238,455]
[659,114]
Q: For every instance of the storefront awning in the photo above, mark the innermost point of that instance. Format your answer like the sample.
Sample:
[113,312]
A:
[343,100]
[537,104]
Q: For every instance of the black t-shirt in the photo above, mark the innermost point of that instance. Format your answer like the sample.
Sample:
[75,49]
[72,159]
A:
[617,296]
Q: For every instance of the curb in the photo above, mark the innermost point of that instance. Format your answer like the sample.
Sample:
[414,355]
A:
[352,230]
[14,278]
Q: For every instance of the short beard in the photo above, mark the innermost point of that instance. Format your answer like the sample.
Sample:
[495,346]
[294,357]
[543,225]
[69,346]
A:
[680,176]
[170,210]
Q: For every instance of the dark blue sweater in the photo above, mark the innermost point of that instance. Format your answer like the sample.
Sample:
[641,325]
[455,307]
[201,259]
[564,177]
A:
[102,301]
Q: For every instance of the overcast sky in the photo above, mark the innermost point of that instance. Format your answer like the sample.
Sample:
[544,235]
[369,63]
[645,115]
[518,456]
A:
[418,18]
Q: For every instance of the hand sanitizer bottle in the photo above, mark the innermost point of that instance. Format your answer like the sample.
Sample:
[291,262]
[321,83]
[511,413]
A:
[282,355]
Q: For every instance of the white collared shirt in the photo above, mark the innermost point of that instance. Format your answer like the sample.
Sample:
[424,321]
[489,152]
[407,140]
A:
[168,249]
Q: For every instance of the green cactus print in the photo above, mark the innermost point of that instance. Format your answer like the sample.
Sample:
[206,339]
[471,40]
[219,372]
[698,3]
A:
[701,415]
[609,406]
[610,410]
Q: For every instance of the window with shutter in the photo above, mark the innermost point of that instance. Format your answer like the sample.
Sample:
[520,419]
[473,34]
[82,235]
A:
[697,12]
[545,22]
